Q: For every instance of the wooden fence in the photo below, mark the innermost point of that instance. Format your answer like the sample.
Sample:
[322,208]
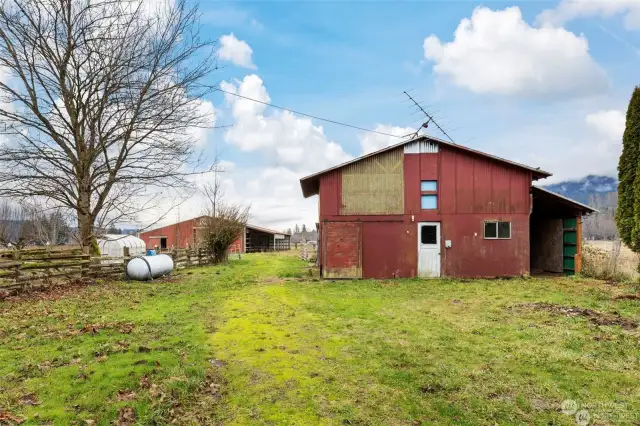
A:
[38,268]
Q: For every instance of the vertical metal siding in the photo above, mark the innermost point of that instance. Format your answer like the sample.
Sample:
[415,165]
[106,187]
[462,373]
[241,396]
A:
[464,191]
[374,185]
[421,147]
[447,185]
[501,179]
[482,186]
[330,197]
[411,184]
[471,190]
[384,250]
[428,166]
[520,200]
[179,235]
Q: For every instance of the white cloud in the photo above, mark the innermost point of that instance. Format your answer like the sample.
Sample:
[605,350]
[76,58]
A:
[498,52]
[285,139]
[236,51]
[289,147]
[609,126]
[201,134]
[226,165]
[571,145]
[370,142]
[568,10]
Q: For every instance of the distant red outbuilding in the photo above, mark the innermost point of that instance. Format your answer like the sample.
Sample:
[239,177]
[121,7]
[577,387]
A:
[427,207]
[185,234]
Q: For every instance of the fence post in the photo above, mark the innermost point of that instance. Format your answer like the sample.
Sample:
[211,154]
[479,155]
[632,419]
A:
[85,267]
[16,257]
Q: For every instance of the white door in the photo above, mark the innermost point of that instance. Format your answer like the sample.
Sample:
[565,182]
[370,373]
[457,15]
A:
[428,249]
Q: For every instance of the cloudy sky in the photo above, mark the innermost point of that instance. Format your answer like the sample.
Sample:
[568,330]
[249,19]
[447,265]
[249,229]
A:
[542,83]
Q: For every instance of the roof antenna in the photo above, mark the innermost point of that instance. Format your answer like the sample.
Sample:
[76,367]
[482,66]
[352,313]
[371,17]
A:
[430,119]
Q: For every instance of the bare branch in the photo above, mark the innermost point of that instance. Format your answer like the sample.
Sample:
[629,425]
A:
[101,103]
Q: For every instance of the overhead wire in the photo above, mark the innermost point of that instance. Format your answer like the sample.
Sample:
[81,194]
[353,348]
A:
[315,117]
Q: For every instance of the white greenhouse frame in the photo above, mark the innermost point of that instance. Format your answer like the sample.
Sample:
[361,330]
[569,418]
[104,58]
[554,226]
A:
[113,245]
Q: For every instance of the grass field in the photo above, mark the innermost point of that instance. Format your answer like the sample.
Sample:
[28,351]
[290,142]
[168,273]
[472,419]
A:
[256,343]
[627,261]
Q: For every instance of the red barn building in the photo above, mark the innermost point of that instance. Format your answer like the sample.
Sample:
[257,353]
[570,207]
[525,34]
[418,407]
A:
[186,234]
[427,207]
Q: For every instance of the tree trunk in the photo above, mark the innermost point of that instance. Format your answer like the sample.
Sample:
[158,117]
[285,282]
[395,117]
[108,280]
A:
[85,225]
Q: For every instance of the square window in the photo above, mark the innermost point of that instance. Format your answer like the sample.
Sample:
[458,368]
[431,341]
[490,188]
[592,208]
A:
[428,185]
[491,229]
[429,202]
[504,230]
[497,230]
[429,234]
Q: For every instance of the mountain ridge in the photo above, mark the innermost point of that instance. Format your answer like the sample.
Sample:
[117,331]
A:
[583,190]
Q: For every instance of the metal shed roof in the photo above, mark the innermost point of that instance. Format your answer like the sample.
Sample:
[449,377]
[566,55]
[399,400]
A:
[574,205]
[310,184]
[266,230]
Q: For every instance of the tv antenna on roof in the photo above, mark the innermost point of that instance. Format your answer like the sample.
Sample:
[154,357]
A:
[430,118]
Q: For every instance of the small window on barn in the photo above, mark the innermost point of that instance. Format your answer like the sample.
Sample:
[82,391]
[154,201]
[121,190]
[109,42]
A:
[429,195]
[429,202]
[428,186]
[497,230]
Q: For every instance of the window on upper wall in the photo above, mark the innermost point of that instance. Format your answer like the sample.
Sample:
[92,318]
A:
[429,195]
[497,230]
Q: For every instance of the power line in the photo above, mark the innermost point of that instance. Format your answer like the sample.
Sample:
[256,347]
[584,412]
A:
[309,115]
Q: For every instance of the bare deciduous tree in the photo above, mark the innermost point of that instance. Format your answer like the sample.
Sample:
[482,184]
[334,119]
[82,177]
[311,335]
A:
[46,226]
[22,225]
[101,103]
[11,219]
[602,225]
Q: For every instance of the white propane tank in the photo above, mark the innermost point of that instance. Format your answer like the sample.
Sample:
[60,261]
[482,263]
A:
[144,268]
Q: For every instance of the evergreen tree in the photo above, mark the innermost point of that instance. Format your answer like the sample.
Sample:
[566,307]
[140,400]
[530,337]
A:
[296,229]
[628,214]
[304,228]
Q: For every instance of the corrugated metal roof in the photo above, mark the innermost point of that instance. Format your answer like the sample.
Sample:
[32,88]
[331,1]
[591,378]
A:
[310,184]
[266,230]
[573,203]
[257,228]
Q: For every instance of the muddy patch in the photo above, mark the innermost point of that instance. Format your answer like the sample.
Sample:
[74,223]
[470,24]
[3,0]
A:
[50,292]
[595,317]
[628,297]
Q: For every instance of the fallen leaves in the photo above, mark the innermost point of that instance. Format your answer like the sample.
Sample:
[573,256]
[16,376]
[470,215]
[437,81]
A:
[122,327]
[55,291]
[145,382]
[8,418]
[126,395]
[29,399]
[126,417]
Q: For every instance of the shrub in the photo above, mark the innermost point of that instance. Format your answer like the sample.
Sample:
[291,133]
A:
[221,229]
[602,264]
